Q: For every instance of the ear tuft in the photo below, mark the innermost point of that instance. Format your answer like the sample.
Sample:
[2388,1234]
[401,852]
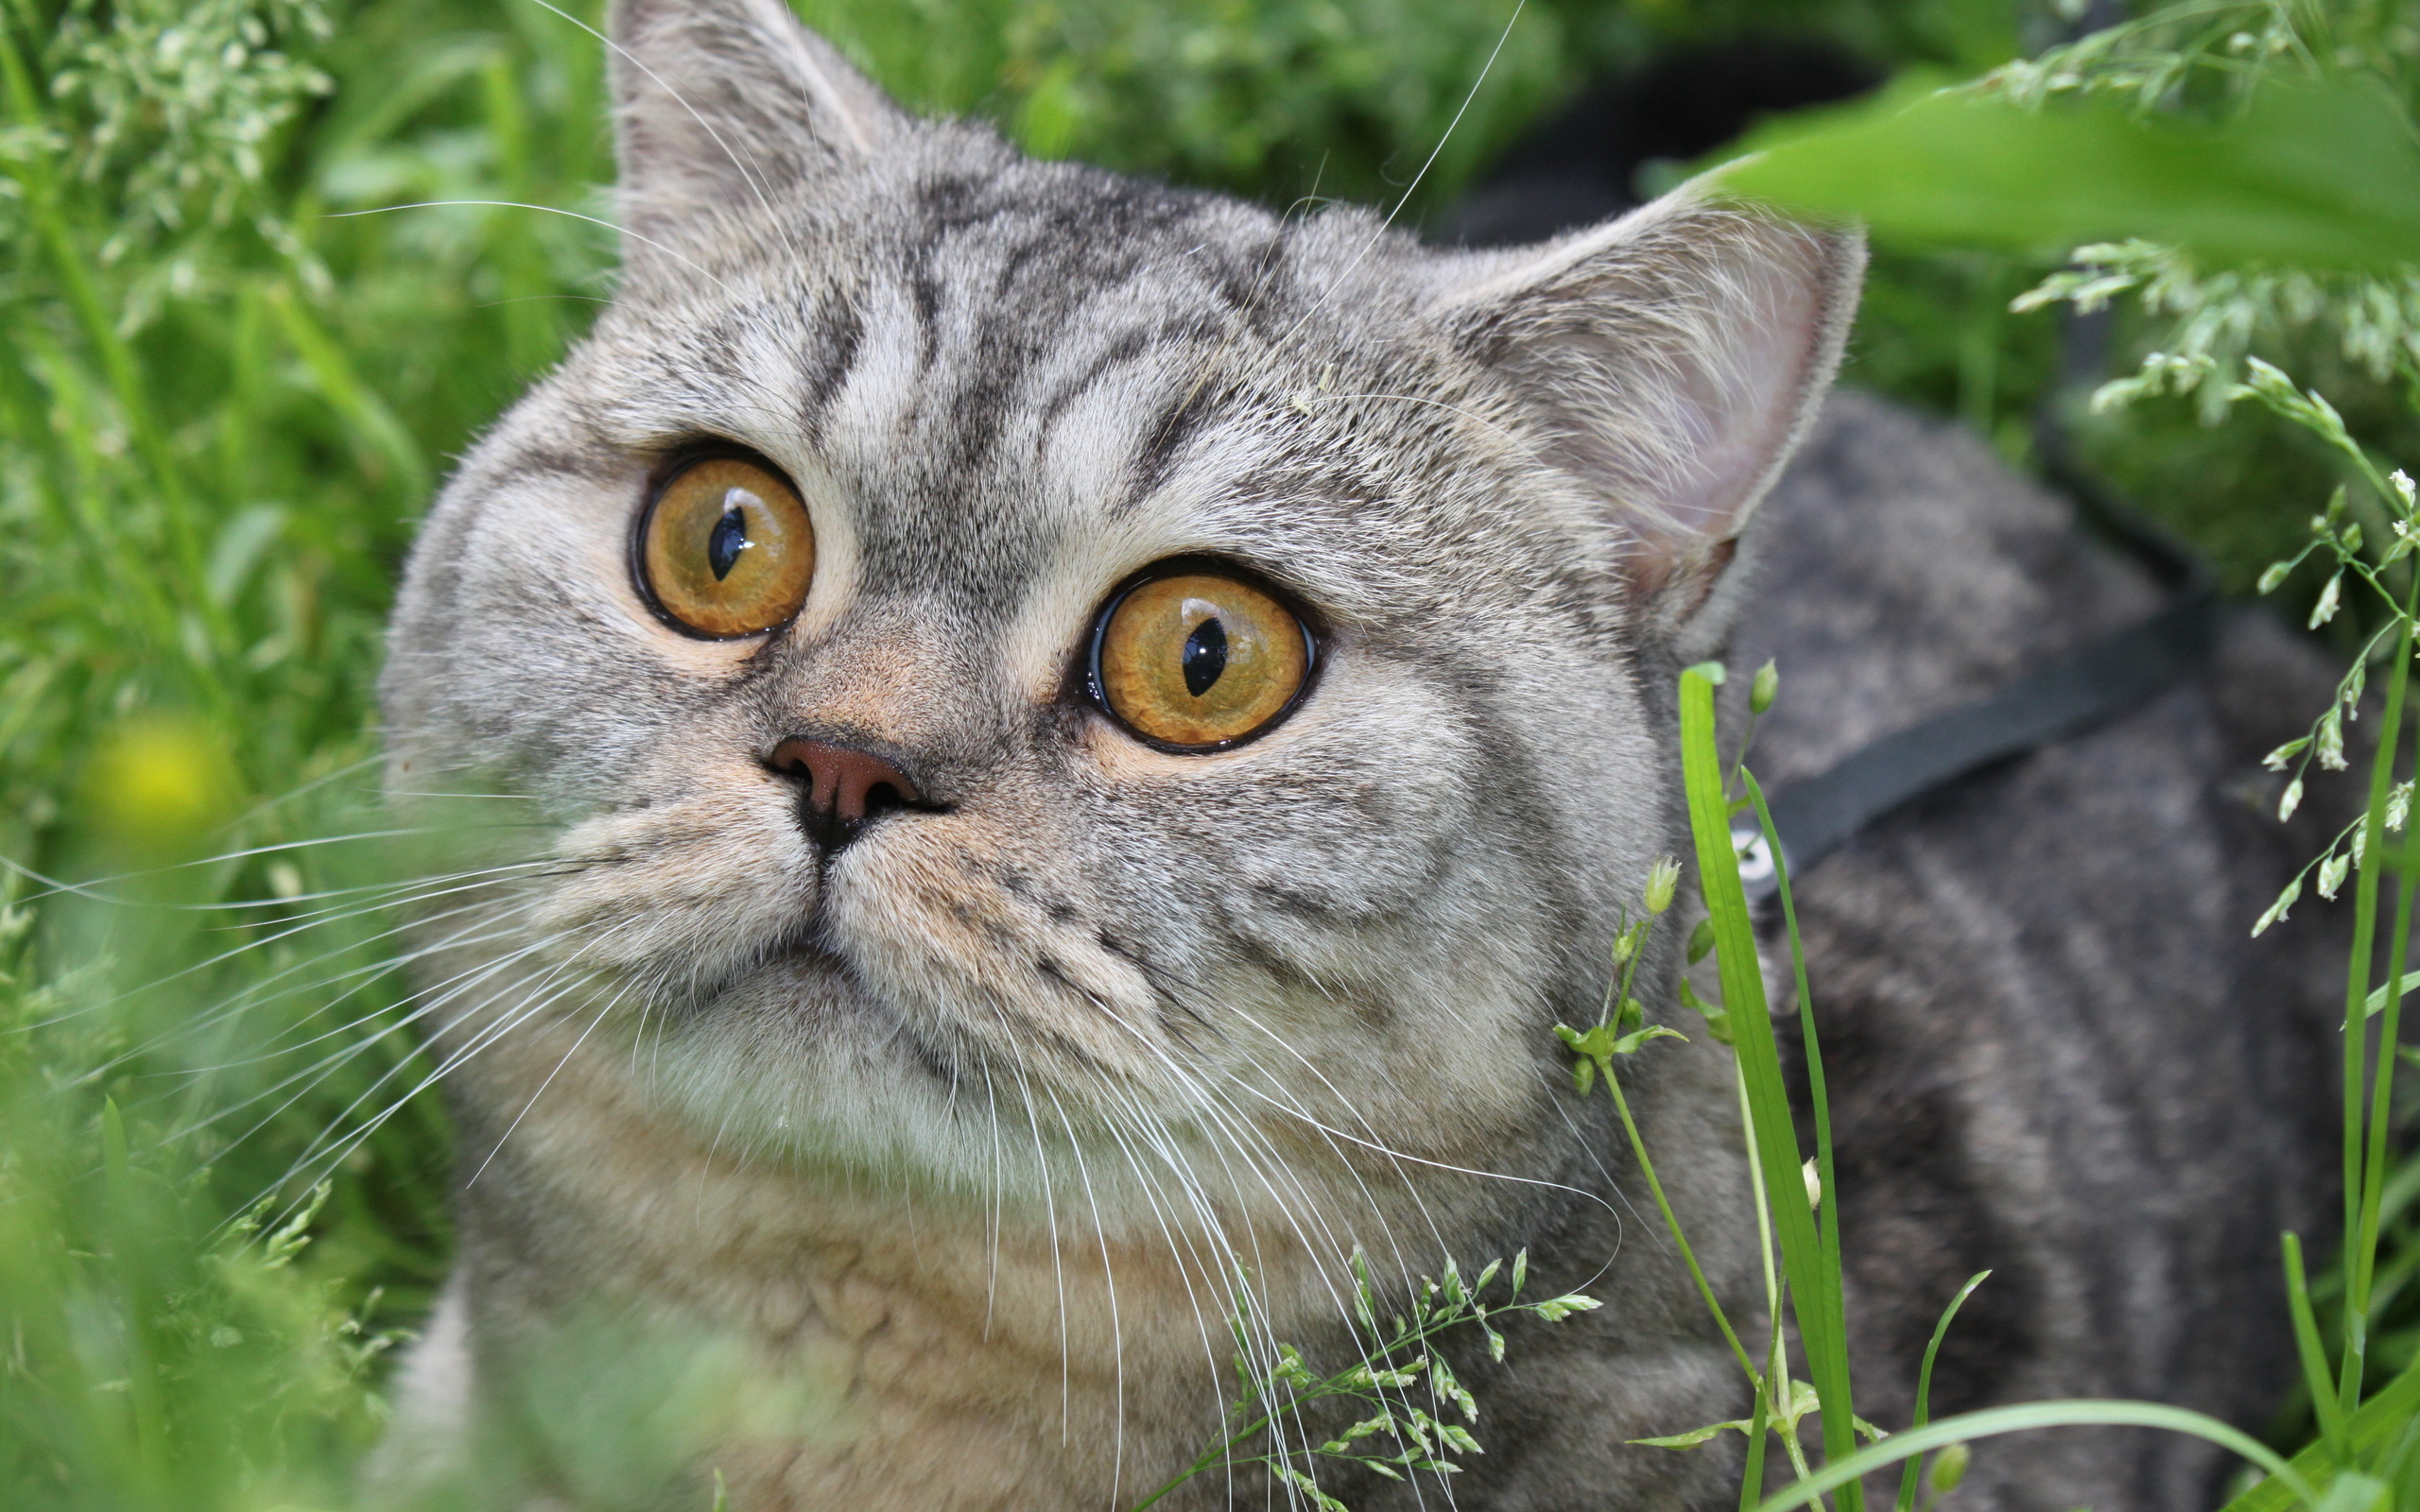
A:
[1670,361]
[731,105]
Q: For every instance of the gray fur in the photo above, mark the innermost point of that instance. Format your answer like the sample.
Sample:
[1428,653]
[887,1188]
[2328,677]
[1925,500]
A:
[2052,1048]
[949,1147]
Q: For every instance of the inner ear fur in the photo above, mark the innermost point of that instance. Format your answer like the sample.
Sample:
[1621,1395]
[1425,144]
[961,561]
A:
[1670,360]
[731,105]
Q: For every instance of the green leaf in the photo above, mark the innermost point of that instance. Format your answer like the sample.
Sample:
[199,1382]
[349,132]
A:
[1629,1043]
[1702,941]
[2376,1003]
[1992,1421]
[2308,174]
[1693,1437]
[2356,1492]
[2382,1417]
[1812,1270]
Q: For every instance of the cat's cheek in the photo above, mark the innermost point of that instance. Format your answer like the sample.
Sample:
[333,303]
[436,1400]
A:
[687,892]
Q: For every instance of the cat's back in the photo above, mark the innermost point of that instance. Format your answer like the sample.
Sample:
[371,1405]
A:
[2053,1050]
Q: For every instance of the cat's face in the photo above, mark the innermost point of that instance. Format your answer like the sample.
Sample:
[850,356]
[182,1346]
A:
[995,642]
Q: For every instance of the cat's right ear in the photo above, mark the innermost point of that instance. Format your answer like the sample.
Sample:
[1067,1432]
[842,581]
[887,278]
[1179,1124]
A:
[731,105]
[1668,363]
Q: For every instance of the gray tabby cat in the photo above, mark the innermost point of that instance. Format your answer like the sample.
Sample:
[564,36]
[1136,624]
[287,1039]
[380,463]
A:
[1085,734]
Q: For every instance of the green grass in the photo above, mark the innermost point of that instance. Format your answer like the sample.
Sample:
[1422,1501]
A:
[225,397]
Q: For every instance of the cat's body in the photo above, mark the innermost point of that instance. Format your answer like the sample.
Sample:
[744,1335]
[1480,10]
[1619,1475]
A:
[908,1155]
[2052,1049]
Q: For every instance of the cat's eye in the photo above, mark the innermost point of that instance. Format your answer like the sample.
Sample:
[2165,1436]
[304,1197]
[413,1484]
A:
[1197,661]
[725,549]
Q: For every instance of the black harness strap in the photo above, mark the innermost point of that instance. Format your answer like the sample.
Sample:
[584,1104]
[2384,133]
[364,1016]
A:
[2110,676]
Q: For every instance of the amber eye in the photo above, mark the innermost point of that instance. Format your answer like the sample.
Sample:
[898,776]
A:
[726,550]
[1199,661]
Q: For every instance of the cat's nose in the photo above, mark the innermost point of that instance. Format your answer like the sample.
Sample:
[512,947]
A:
[845,786]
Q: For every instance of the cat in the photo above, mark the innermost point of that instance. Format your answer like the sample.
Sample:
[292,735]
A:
[1084,734]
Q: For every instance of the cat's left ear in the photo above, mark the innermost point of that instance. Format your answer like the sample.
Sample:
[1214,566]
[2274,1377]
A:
[731,105]
[1670,360]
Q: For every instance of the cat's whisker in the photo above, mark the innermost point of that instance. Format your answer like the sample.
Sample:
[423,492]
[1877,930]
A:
[259,994]
[1109,1280]
[1377,1146]
[1050,1218]
[317,1074]
[377,895]
[251,997]
[1582,1140]
[335,1155]
[274,1050]
[749,169]
[475,795]
[991,1245]
[1152,1193]
[611,1005]
[1417,1159]
[485,1036]
[551,210]
[1218,1128]
[55,887]
[436,995]
[1403,1268]
[1377,236]
[1471,415]
[278,934]
[1202,1092]
[1295,1110]
[1212,1225]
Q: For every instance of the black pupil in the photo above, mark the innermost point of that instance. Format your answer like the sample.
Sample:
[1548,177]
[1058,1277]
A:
[730,537]
[1206,656]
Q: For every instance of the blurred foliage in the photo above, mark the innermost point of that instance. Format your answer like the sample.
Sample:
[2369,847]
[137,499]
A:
[2278,182]
[232,378]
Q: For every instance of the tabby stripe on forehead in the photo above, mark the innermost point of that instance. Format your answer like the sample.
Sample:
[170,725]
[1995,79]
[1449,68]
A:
[829,361]
[1158,455]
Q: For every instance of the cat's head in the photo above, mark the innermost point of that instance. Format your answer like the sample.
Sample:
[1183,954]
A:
[990,635]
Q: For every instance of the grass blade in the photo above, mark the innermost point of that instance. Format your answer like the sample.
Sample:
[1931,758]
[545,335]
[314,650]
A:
[1827,1210]
[1814,1290]
[2360,1205]
[1992,1421]
[2381,1419]
[1924,1376]
[2322,1396]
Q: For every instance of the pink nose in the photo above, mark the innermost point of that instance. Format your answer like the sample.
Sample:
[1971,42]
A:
[842,783]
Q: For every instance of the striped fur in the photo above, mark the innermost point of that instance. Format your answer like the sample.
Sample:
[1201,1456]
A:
[951,1147]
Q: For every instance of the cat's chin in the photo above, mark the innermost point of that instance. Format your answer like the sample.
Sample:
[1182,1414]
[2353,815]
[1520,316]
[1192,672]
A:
[795,1064]
[792,1058]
